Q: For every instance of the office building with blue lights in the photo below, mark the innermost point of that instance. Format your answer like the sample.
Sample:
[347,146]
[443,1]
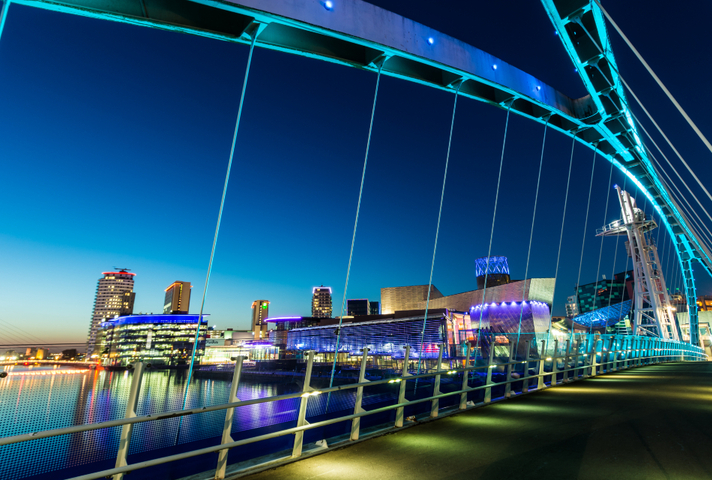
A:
[162,340]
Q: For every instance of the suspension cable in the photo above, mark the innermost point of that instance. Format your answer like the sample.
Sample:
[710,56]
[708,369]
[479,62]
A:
[494,216]
[655,77]
[625,84]
[668,160]
[600,251]
[585,227]
[531,237]
[217,227]
[561,237]
[353,238]
[3,15]
[437,228]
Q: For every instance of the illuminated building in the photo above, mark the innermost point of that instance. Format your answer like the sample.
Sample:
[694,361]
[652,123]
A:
[358,307]
[704,303]
[177,298]
[321,302]
[260,312]
[114,297]
[604,293]
[156,339]
[395,299]
[572,306]
[495,269]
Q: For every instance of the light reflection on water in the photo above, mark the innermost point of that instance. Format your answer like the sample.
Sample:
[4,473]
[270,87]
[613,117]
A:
[33,403]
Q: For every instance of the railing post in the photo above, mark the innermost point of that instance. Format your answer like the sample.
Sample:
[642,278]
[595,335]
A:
[567,366]
[490,367]
[508,378]
[401,391]
[126,430]
[435,403]
[554,364]
[229,416]
[540,385]
[302,418]
[356,422]
[465,375]
[525,373]
[593,369]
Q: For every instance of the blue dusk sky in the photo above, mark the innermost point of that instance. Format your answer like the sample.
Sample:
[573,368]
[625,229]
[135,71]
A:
[114,141]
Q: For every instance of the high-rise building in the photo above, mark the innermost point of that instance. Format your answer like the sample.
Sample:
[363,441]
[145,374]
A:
[260,312]
[321,302]
[374,308]
[177,297]
[358,307]
[114,297]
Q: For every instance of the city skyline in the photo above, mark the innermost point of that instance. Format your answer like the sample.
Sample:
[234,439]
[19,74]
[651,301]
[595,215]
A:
[306,139]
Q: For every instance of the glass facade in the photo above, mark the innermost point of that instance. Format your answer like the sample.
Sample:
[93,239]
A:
[162,340]
[382,337]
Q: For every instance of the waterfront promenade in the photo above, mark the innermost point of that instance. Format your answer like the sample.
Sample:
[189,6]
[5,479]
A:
[650,423]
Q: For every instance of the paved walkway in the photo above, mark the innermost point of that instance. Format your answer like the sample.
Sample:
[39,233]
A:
[646,423]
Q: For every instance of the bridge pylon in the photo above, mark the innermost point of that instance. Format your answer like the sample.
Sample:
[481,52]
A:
[653,316]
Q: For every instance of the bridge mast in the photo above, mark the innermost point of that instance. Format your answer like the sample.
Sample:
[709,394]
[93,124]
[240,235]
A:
[654,315]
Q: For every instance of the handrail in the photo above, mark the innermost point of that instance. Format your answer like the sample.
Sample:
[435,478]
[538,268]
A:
[580,360]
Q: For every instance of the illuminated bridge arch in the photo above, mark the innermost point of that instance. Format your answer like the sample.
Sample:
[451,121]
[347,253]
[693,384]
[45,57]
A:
[361,35]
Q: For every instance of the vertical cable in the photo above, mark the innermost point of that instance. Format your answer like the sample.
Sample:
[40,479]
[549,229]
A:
[217,227]
[437,228]
[585,227]
[3,15]
[561,237]
[531,237]
[353,238]
[600,251]
[494,217]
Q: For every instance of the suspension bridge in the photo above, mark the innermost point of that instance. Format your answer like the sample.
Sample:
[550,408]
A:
[359,35]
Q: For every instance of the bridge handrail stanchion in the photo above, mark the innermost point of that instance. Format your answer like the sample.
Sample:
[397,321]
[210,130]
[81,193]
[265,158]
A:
[525,362]
[490,367]
[356,422]
[302,417]
[540,385]
[567,350]
[508,377]
[435,403]
[401,390]
[554,364]
[126,430]
[594,355]
[229,416]
[465,375]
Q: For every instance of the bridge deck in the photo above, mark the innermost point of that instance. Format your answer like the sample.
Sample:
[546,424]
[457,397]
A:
[648,423]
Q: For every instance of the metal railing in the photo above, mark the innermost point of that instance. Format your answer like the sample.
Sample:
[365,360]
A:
[582,356]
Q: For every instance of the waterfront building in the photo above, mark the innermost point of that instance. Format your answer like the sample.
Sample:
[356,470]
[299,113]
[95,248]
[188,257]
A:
[260,311]
[605,292]
[114,297]
[374,308]
[177,297]
[395,299]
[321,302]
[162,340]
[493,269]
[358,307]
[571,306]
[704,303]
